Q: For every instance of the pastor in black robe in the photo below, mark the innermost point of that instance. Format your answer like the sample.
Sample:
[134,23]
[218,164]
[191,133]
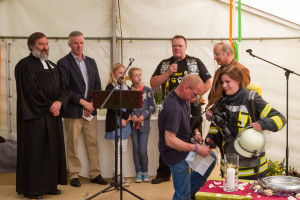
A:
[41,162]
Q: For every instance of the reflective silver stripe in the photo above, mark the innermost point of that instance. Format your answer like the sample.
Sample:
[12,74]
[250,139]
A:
[213,130]
[265,111]
[252,94]
[237,108]
[277,121]
[263,159]
[249,172]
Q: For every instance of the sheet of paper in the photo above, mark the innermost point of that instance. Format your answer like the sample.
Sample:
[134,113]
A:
[87,118]
[198,163]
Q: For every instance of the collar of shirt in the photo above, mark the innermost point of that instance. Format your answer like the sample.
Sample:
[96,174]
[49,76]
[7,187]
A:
[76,58]
[183,102]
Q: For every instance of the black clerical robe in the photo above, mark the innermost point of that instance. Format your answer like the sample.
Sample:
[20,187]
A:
[41,162]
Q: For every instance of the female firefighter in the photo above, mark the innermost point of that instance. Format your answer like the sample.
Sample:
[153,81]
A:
[232,114]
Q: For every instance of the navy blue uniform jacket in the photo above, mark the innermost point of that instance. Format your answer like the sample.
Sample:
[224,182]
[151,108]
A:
[74,80]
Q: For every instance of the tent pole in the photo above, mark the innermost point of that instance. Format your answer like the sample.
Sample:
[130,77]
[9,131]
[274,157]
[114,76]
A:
[114,33]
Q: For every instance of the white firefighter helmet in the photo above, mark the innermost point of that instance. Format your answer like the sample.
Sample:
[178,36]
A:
[250,142]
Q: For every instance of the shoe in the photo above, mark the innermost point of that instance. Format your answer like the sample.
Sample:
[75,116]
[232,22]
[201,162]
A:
[30,196]
[159,180]
[99,180]
[56,192]
[146,177]
[139,177]
[125,182]
[75,182]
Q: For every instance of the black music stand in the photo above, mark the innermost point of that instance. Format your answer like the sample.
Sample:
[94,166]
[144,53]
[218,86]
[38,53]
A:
[115,100]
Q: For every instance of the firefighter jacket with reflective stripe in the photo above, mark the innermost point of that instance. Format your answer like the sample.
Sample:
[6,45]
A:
[238,107]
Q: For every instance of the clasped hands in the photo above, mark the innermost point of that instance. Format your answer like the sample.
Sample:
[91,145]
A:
[55,108]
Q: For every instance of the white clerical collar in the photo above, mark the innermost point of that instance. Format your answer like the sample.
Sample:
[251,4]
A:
[45,64]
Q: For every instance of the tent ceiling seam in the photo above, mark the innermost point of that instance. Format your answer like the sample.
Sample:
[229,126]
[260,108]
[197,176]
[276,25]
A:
[158,39]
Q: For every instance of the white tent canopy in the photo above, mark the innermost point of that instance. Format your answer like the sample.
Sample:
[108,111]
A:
[142,29]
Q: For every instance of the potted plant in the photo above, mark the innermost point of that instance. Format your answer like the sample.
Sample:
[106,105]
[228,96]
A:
[157,93]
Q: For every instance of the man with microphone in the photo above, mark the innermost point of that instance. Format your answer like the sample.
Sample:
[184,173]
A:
[169,74]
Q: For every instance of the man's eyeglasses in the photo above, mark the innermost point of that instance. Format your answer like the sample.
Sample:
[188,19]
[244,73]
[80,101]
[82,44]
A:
[195,94]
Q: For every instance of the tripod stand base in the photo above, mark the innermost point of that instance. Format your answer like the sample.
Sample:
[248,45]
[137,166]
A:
[102,191]
[114,186]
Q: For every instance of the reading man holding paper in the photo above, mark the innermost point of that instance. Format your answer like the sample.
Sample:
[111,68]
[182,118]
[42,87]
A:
[174,134]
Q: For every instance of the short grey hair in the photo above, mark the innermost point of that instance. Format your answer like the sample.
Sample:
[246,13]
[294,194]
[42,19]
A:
[74,33]
[226,47]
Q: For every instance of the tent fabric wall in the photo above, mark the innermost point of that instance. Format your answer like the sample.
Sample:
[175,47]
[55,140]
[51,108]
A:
[55,18]
[193,19]
[204,23]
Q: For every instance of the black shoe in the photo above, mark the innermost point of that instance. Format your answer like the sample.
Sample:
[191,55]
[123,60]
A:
[56,192]
[75,182]
[159,180]
[30,196]
[99,180]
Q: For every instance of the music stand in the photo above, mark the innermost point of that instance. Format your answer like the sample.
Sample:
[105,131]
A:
[115,100]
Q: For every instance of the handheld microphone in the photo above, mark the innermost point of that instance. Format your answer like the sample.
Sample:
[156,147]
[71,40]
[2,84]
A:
[175,60]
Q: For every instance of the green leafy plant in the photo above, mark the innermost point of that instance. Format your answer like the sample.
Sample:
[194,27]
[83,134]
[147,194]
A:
[157,95]
[275,168]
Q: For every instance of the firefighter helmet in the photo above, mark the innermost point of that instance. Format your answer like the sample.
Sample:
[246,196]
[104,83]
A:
[250,142]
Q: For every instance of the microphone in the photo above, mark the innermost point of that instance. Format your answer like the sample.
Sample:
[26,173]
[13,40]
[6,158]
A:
[175,60]
[250,52]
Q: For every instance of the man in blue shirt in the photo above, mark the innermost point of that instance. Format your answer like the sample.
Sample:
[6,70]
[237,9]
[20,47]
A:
[81,75]
[174,134]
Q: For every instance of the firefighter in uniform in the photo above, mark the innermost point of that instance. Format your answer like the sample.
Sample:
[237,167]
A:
[234,109]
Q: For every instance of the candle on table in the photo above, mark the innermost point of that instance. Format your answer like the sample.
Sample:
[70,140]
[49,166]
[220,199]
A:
[230,178]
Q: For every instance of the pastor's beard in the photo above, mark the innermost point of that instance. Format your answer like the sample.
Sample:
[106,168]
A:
[36,53]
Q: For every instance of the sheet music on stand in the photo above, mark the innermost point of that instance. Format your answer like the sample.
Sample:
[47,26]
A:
[129,99]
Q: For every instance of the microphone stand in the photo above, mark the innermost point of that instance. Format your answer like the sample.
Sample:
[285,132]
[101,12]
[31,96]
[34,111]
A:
[115,184]
[287,74]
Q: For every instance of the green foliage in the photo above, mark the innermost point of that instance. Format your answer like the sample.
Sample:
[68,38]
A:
[157,95]
[275,168]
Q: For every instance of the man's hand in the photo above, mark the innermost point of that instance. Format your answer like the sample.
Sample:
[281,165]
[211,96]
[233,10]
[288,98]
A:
[87,105]
[87,113]
[198,138]
[203,150]
[172,69]
[55,108]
